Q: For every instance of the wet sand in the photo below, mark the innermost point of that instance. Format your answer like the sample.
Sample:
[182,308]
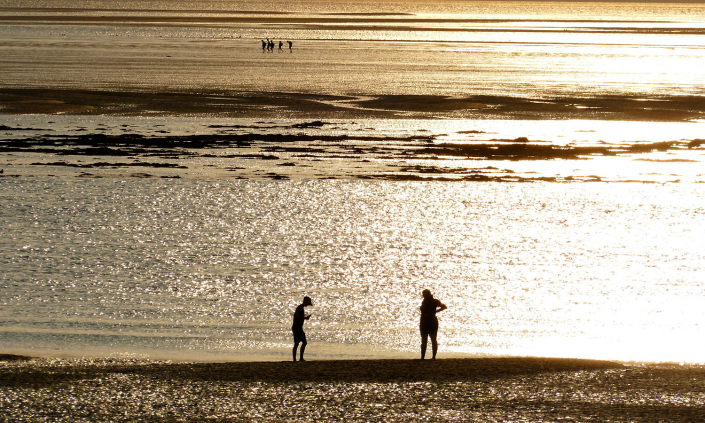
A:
[470,389]
[268,105]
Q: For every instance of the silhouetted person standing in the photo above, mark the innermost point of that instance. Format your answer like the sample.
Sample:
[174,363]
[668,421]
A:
[298,328]
[429,322]
[290,44]
[280,45]
[264,45]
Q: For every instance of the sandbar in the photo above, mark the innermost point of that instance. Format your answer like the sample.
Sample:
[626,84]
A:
[457,389]
[270,104]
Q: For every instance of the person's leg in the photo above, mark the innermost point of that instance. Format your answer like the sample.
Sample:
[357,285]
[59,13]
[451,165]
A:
[434,343]
[424,343]
[303,348]
[296,346]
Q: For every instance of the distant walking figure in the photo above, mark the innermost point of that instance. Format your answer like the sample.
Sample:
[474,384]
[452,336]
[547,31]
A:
[429,322]
[264,45]
[290,43]
[280,45]
[298,328]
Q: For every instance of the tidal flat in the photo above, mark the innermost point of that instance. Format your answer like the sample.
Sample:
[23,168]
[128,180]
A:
[333,137]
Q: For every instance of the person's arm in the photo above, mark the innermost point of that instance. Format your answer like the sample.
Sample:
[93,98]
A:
[442,307]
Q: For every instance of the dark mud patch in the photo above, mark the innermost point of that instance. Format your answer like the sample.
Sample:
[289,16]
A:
[276,105]
[111,165]
[14,357]
[658,108]
[282,155]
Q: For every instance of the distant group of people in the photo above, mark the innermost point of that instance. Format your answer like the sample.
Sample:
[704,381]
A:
[428,325]
[269,45]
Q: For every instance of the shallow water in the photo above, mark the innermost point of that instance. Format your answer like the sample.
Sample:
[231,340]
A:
[212,270]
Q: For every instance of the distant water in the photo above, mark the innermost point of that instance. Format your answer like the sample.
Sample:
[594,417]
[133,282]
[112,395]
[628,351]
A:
[212,270]
[526,49]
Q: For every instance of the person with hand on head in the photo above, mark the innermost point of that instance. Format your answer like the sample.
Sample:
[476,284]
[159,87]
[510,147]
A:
[429,322]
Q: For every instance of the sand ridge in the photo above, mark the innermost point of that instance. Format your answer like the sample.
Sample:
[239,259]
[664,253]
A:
[490,389]
[264,105]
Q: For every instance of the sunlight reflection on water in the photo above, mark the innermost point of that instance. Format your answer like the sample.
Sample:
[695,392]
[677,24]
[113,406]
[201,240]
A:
[440,48]
[213,269]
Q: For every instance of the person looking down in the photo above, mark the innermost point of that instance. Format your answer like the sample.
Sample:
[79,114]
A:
[298,328]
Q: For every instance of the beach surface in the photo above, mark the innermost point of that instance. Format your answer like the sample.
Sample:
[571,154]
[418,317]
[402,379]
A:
[469,389]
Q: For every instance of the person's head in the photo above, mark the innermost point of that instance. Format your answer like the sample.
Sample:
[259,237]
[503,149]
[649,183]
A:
[307,301]
[427,294]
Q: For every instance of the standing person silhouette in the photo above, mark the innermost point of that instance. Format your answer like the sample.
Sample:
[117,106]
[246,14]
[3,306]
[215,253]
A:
[429,322]
[298,328]
[290,44]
